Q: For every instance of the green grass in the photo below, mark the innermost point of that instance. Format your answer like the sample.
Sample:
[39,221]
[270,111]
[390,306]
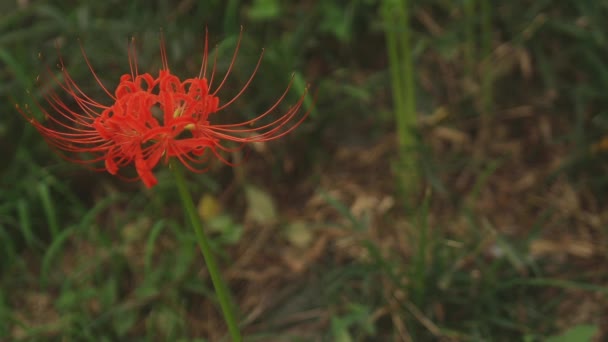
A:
[501,245]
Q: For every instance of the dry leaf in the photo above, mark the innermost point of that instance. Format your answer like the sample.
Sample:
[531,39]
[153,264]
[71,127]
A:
[299,234]
[260,206]
[208,207]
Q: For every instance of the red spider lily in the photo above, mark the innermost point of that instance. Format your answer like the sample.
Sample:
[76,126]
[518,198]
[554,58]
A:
[127,132]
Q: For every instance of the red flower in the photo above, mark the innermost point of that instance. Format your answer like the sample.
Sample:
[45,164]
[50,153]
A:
[129,131]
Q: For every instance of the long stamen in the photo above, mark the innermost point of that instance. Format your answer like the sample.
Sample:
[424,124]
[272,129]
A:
[86,59]
[266,113]
[246,83]
[132,54]
[234,55]
[163,52]
[202,73]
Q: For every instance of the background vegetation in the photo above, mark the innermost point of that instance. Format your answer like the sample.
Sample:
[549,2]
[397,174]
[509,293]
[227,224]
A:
[498,232]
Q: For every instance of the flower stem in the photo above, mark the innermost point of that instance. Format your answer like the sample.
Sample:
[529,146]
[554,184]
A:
[221,289]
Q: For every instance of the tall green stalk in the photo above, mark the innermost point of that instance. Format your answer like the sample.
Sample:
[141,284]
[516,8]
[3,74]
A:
[221,290]
[396,17]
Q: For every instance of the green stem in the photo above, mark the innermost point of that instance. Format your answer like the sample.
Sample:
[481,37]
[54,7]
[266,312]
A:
[396,16]
[222,292]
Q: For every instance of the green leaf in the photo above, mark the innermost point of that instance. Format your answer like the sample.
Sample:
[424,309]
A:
[339,330]
[151,243]
[264,10]
[52,252]
[230,231]
[579,333]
